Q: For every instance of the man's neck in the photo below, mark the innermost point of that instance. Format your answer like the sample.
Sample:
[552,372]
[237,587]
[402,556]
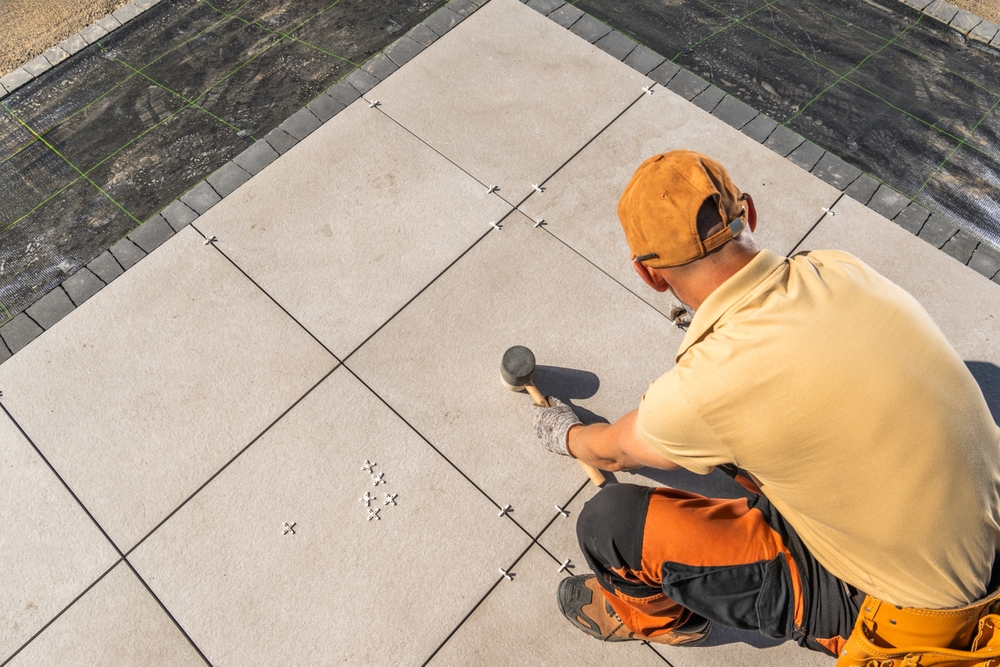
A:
[699,279]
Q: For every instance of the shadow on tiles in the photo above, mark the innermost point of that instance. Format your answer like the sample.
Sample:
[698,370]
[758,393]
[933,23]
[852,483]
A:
[988,377]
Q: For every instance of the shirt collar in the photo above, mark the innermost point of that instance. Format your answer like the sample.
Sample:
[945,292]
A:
[728,294]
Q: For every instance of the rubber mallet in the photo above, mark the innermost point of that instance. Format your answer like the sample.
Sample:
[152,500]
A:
[517,368]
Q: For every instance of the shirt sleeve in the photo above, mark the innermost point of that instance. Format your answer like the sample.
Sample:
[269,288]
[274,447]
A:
[674,428]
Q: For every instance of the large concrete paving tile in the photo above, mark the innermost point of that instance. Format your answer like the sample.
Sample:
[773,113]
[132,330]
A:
[519,623]
[438,361]
[579,204]
[117,623]
[725,647]
[963,303]
[341,589]
[50,549]
[348,225]
[143,392]
[509,95]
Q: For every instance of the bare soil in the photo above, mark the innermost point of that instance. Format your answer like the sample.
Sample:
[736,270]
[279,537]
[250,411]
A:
[30,27]
[988,10]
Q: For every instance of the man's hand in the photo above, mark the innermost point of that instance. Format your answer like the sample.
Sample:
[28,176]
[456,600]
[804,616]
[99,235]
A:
[614,447]
[552,424]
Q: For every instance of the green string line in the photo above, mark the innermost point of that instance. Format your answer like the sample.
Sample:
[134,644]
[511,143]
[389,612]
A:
[735,22]
[924,122]
[125,80]
[77,169]
[960,144]
[138,137]
[191,102]
[844,21]
[6,312]
[43,203]
[854,69]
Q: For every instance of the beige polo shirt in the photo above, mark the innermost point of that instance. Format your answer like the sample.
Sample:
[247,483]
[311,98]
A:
[836,390]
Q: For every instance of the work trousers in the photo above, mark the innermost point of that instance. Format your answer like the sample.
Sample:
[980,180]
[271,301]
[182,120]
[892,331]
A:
[662,555]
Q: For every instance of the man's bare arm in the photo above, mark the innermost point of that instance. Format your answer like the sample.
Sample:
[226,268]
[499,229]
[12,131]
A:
[617,446]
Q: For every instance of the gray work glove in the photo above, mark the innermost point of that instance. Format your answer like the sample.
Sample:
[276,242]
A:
[552,425]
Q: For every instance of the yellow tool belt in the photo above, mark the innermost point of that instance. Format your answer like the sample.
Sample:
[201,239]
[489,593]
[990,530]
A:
[886,635]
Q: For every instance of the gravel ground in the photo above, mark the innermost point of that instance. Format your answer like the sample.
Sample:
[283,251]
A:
[988,10]
[29,27]
[32,26]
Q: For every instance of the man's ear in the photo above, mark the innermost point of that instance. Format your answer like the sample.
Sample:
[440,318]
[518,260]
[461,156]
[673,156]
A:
[651,277]
[751,212]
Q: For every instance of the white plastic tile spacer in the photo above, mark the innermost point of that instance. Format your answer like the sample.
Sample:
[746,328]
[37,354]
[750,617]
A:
[506,508]
[211,239]
[390,499]
[648,89]
[509,575]
[537,187]
[288,528]
[377,479]
[367,499]
[496,226]
[562,511]
[493,188]
[373,103]
[829,210]
[564,566]
[539,222]
[368,466]
[373,513]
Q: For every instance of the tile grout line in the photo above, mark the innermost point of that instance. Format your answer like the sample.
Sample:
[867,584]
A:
[232,460]
[534,542]
[426,287]
[816,224]
[438,451]
[122,557]
[60,478]
[474,608]
[269,296]
[62,611]
[166,611]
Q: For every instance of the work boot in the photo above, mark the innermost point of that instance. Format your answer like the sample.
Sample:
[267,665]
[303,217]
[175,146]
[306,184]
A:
[582,601]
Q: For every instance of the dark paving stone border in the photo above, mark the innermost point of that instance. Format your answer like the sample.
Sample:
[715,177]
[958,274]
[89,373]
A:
[960,244]
[142,240]
[970,25]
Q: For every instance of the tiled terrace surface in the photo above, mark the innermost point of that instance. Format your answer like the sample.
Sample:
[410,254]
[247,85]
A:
[181,455]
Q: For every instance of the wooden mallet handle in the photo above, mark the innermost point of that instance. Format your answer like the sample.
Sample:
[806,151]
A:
[593,473]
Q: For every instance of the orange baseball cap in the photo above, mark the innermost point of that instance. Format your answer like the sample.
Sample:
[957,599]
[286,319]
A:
[659,208]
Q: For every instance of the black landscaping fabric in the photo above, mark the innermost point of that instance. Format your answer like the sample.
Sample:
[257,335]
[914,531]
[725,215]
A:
[899,95]
[103,141]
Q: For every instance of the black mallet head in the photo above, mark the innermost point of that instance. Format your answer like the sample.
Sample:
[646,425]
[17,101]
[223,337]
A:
[517,367]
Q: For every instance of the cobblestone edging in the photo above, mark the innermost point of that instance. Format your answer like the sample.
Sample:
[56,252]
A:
[970,25]
[71,45]
[931,227]
[142,240]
